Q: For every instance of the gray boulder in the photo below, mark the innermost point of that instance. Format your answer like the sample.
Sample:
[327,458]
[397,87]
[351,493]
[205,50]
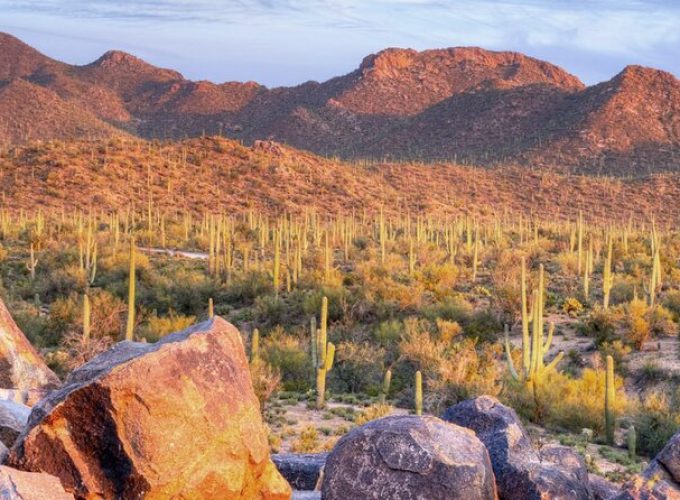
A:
[13,419]
[301,470]
[602,488]
[408,457]
[520,471]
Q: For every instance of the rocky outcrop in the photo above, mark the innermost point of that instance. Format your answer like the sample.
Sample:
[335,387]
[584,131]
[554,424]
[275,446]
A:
[19,485]
[602,488]
[520,471]
[661,479]
[408,457]
[21,367]
[13,419]
[174,419]
[301,470]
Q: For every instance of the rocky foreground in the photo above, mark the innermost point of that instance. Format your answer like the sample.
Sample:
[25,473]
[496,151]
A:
[179,419]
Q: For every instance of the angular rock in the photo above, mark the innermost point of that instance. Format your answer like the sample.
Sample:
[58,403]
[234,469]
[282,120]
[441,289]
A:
[13,419]
[660,480]
[669,457]
[301,470]
[21,367]
[519,470]
[19,485]
[408,457]
[174,419]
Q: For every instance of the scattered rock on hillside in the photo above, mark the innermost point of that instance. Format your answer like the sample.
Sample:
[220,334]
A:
[13,419]
[408,457]
[301,470]
[19,485]
[519,469]
[21,367]
[173,419]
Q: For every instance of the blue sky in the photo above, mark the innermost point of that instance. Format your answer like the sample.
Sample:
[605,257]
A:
[284,42]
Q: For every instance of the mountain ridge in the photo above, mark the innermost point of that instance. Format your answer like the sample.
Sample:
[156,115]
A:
[462,103]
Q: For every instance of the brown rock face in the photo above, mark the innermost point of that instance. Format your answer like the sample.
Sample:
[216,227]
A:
[19,485]
[21,367]
[175,419]
[408,457]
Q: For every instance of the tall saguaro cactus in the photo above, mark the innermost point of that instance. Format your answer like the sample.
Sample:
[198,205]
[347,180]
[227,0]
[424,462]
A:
[87,322]
[130,328]
[325,355]
[609,398]
[607,278]
[534,349]
[419,393]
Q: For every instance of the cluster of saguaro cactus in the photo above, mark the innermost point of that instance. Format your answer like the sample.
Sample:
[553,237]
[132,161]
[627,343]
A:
[534,349]
[325,354]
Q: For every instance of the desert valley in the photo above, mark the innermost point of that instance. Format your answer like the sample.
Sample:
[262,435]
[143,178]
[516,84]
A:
[450,273]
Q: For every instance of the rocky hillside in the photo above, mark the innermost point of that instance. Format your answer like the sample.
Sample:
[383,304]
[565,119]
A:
[465,104]
[212,173]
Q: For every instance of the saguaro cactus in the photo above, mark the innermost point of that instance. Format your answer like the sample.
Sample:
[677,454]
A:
[631,441]
[325,355]
[387,380]
[609,398]
[86,318]
[534,349]
[130,329]
[419,393]
[607,278]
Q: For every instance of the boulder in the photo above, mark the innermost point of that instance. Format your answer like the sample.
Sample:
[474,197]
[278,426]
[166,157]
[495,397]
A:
[21,367]
[174,419]
[520,471]
[661,478]
[20,485]
[567,459]
[602,488]
[28,397]
[13,419]
[301,470]
[408,457]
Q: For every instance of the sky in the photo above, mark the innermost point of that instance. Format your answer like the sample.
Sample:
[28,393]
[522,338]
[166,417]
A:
[287,42]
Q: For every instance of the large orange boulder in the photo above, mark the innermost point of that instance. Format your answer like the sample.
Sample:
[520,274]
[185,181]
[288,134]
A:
[21,367]
[174,419]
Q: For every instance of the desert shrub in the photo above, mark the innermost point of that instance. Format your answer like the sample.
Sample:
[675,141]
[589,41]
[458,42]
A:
[637,330]
[656,420]
[621,292]
[287,354]
[307,441]
[483,326]
[672,302]
[450,309]
[372,413]
[568,403]
[448,330]
[358,367]
[572,306]
[439,279]
[388,332]
[158,327]
[80,350]
[600,325]
[661,321]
